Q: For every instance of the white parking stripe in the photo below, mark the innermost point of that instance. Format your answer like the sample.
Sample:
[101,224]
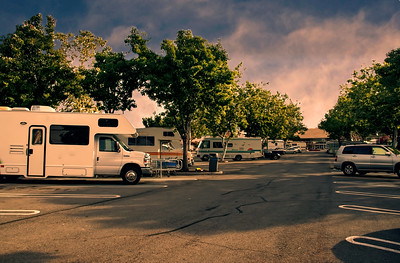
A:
[370,209]
[18,212]
[352,240]
[59,195]
[368,194]
[366,185]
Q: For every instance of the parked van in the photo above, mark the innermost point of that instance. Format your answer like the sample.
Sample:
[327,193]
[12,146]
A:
[160,143]
[238,148]
[40,144]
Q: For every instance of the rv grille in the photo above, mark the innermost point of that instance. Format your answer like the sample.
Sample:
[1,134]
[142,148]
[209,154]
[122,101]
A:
[16,149]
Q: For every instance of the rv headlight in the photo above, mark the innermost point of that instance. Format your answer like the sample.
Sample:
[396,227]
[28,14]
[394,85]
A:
[147,159]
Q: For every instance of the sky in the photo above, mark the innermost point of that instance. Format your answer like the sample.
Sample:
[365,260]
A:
[305,49]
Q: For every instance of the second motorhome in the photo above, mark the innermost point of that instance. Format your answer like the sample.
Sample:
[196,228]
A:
[160,143]
[39,144]
[237,148]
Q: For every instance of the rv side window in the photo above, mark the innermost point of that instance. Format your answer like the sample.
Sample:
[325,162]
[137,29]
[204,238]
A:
[205,145]
[37,137]
[230,144]
[142,141]
[107,145]
[217,145]
[69,134]
[168,134]
[108,122]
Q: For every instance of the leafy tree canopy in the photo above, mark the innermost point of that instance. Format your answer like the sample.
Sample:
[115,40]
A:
[32,71]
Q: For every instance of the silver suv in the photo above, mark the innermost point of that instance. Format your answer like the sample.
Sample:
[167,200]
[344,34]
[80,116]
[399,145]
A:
[363,158]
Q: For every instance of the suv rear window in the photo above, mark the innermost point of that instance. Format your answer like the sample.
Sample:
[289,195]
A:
[348,150]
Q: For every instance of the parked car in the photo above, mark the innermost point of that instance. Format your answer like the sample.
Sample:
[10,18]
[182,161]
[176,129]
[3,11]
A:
[364,158]
[271,155]
[280,151]
[293,149]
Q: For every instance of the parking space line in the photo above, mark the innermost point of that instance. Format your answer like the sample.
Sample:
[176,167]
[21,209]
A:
[352,241]
[370,209]
[368,194]
[365,185]
[59,195]
[18,212]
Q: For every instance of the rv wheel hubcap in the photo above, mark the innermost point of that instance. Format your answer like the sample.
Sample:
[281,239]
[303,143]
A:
[131,176]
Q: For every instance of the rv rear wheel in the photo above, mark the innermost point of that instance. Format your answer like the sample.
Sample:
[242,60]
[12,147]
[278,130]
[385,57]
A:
[237,158]
[205,158]
[131,175]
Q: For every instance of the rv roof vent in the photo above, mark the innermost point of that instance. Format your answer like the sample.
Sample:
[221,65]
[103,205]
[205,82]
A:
[19,109]
[5,108]
[42,108]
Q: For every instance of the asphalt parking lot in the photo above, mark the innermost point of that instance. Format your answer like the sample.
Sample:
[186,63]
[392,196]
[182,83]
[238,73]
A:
[295,209]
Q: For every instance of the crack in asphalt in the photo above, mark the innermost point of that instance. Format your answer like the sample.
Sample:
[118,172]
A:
[238,208]
[260,186]
[187,225]
[255,203]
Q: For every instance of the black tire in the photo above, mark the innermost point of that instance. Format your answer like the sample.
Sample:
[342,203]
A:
[205,158]
[131,174]
[349,169]
[275,157]
[238,158]
[398,171]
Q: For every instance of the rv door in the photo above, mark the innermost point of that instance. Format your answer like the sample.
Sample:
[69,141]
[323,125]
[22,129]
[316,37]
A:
[109,156]
[36,151]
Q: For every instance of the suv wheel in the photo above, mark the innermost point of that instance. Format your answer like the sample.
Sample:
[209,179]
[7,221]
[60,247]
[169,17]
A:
[398,171]
[349,169]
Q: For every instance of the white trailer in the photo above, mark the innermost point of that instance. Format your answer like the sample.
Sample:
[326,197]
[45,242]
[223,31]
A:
[38,144]
[237,148]
[275,144]
[161,143]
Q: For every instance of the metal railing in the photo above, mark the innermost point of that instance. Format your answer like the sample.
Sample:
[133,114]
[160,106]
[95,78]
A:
[160,167]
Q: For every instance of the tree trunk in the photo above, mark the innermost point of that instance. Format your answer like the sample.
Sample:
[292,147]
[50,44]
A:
[395,134]
[186,140]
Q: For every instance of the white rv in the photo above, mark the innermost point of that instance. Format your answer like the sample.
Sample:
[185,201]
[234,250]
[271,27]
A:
[39,144]
[275,144]
[160,143]
[237,149]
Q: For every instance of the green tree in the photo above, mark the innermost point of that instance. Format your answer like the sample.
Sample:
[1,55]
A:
[224,120]
[390,101]
[159,120]
[83,103]
[32,71]
[192,76]
[337,121]
[82,47]
[80,50]
[270,116]
[112,81]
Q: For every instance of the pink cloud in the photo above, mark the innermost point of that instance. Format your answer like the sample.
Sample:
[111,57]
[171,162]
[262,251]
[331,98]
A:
[310,63]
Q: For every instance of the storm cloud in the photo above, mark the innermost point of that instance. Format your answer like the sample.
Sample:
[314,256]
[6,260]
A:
[305,49]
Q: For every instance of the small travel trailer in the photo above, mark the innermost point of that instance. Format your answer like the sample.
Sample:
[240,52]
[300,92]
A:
[237,148]
[160,143]
[275,144]
[40,143]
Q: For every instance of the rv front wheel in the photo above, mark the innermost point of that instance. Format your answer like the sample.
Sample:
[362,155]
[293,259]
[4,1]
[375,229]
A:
[131,175]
